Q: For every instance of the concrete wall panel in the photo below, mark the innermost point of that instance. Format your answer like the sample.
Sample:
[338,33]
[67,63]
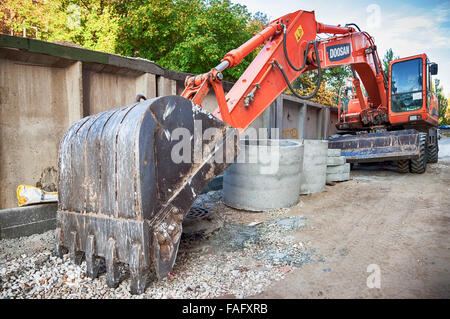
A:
[33,119]
[106,91]
[311,123]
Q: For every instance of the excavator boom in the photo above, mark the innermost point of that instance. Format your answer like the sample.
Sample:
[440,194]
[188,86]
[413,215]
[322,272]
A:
[290,48]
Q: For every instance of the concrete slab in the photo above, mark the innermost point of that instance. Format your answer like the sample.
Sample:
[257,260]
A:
[27,220]
[338,177]
[335,160]
[313,177]
[338,169]
[334,152]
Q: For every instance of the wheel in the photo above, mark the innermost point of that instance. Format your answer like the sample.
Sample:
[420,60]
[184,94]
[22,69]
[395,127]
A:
[419,165]
[403,166]
[432,153]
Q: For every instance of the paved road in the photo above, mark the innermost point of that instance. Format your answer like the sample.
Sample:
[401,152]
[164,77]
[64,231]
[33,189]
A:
[444,148]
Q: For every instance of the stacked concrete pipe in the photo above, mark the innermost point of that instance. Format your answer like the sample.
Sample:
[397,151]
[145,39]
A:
[265,176]
[337,169]
[314,175]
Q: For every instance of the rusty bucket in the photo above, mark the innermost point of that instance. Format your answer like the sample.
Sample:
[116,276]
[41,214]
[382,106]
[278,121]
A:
[121,195]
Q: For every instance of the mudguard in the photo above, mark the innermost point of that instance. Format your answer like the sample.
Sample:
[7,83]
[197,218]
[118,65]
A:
[378,147]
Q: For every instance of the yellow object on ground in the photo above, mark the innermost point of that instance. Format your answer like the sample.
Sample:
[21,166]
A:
[27,195]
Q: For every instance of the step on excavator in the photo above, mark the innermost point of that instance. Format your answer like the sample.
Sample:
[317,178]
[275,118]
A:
[122,198]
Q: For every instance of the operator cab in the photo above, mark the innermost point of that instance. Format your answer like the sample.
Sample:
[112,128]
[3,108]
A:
[411,100]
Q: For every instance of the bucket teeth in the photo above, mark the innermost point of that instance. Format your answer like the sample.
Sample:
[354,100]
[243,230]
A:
[137,270]
[60,250]
[76,256]
[112,266]
[167,236]
[92,261]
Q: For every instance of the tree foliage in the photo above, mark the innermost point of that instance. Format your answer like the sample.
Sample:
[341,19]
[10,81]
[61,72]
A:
[26,17]
[92,24]
[306,83]
[388,57]
[443,102]
[332,80]
[187,35]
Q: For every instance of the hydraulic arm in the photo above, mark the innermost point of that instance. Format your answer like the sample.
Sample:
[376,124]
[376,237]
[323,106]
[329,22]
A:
[290,48]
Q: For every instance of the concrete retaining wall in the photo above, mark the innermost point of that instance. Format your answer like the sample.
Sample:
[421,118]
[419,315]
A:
[46,87]
[302,119]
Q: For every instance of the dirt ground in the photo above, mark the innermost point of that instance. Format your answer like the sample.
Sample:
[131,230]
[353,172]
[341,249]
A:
[400,222]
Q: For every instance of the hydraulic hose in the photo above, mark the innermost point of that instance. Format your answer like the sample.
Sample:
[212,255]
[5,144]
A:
[319,69]
[354,25]
[287,55]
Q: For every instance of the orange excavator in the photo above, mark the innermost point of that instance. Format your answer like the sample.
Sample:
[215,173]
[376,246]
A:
[122,196]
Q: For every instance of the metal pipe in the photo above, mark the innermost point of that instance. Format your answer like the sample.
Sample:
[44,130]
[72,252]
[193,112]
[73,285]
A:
[234,57]
[222,66]
[325,28]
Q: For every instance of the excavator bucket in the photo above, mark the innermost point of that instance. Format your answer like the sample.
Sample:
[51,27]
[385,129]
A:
[378,147]
[123,197]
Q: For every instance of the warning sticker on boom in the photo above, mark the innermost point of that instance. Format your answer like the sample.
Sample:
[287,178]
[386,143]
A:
[299,33]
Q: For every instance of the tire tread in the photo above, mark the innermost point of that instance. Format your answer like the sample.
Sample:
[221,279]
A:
[419,165]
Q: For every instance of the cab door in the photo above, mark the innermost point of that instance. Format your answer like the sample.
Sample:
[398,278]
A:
[411,100]
[432,101]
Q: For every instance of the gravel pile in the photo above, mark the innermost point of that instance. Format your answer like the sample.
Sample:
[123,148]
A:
[236,260]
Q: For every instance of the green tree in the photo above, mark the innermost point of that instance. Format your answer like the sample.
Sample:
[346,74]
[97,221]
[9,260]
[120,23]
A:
[332,80]
[305,85]
[261,19]
[388,57]
[186,35]
[32,18]
[92,24]
[442,100]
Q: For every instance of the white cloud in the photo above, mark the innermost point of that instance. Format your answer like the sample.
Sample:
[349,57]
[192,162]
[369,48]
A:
[411,31]
[404,27]
[420,32]
[441,12]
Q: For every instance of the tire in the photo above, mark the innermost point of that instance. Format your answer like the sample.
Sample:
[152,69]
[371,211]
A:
[419,165]
[433,150]
[403,166]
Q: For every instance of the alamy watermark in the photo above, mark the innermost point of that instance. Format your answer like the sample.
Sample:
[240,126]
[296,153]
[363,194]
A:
[373,18]
[73,16]
[374,279]
[215,145]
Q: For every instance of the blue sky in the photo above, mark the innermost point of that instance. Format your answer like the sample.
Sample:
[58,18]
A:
[408,27]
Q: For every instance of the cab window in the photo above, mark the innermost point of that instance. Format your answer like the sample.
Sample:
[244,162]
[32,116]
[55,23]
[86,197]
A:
[407,85]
